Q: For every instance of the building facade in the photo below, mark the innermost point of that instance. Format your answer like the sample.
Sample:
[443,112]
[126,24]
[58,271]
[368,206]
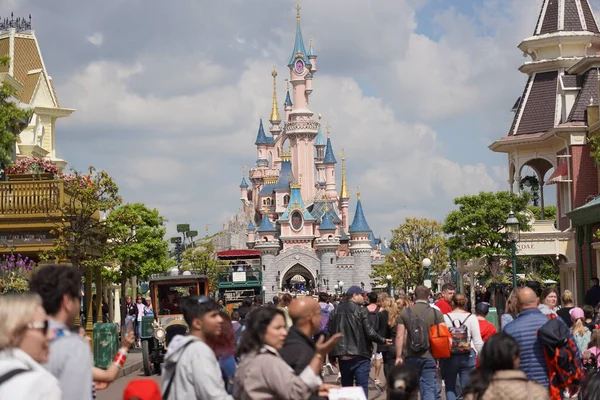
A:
[298,216]
[551,129]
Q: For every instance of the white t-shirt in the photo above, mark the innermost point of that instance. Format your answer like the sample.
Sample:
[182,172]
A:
[472,324]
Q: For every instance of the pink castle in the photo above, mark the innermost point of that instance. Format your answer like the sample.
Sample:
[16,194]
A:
[298,220]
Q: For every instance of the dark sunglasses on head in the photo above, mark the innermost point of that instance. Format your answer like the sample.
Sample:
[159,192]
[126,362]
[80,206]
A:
[43,326]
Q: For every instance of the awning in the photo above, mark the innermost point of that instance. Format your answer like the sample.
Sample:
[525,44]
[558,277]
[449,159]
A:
[560,174]
[238,253]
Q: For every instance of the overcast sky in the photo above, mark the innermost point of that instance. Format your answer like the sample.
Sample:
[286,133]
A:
[169,94]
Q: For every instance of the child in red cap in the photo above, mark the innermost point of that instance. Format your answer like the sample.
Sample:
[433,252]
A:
[142,389]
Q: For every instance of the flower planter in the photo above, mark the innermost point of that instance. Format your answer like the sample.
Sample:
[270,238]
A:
[499,285]
[30,177]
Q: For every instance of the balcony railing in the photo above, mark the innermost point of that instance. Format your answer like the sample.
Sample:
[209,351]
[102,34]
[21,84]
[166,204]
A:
[31,198]
[242,278]
[307,126]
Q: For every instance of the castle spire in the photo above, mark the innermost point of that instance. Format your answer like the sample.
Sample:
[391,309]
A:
[299,50]
[275,117]
[344,192]
[329,157]
[359,224]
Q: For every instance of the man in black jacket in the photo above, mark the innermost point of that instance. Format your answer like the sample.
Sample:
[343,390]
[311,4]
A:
[299,347]
[354,350]
[592,297]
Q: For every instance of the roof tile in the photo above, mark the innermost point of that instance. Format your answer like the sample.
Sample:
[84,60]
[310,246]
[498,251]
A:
[539,108]
[588,91]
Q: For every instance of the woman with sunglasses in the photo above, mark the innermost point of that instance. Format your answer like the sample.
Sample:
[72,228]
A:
[24,345]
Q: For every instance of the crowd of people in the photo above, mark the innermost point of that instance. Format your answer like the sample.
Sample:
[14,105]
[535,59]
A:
[546,346]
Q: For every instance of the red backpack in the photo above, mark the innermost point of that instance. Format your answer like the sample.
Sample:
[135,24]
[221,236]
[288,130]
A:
[562,356]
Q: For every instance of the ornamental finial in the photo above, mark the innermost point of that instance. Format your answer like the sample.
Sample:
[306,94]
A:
[244,171]
[328,128]
[326,207]
[319,116]
[275,117]
[358,193]
[298,8]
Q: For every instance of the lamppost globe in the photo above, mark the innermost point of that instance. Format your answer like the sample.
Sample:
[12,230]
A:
[511,227]
[388,277]
[426,263]
[264,288]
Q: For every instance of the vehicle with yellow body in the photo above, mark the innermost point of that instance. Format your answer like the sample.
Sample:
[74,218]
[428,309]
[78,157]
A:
[166,291]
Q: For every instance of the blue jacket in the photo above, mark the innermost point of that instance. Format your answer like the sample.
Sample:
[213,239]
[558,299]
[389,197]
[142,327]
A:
[524,330]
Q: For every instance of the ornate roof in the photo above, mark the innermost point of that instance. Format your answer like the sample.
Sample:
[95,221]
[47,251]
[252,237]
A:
[266,225]
[326,223]
[320,139]
[251,226]
[329,157]
[244,184]
[261,137]
[296,203]
[299,50]
[286,176]
[566,15]
[536,113]
[589,90]
[359,224]
[288,99]
[319,209]
[311,51]
[267,190]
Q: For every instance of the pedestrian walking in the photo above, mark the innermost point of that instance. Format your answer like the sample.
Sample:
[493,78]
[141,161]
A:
[444,303]
[498,376]
[592,296]
[262,373]
[70,358]
[374,308]
[549,301]
[511,311]
[415,321]
[581,333]
[486,328]
[389,330]
[191,369]
[223,346]
[24,345]
[466,343]
[524,330]
[354,351]
[567,305]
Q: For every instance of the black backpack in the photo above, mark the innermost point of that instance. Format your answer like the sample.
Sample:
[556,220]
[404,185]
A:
[373,318]
[418,331]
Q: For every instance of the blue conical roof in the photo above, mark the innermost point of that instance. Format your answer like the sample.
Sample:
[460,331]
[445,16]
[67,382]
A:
[326,223]
[286,176]
[360,223]
[329,157]
[266,225]
[251,226]
[244,184]
[373,240]
[320,140]
[288,99]
[311,51]
[298,44]
[261,137]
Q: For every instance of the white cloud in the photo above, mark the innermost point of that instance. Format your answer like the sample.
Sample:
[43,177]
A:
[96,39]
[178,122]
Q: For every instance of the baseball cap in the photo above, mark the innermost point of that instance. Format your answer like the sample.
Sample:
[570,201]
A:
[482,308]
[143,389]
[576,313]
[352,290]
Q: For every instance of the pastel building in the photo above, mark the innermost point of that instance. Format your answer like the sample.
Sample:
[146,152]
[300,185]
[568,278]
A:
[26,71]
[555,117]
[298,213]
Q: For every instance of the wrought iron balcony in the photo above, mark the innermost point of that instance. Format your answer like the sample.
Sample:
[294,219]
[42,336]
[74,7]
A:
[307,126]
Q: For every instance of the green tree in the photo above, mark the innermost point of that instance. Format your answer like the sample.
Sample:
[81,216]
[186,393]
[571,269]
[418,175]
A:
[13,119]
[136,236]
[549,212]
[203,259]
[81,231]
[412,241]
[477,227]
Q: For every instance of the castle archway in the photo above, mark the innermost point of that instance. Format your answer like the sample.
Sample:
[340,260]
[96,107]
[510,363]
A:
[298,278]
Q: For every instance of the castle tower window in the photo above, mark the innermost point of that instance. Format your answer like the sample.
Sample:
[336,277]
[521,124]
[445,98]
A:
[286,200]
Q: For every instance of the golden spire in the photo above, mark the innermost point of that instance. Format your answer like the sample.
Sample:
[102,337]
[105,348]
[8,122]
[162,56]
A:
[344,193]
[275,117]
[358,193]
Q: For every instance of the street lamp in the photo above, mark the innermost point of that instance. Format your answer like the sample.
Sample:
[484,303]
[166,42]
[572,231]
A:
[389,285]
[341,285]
[426,265]
[512,230]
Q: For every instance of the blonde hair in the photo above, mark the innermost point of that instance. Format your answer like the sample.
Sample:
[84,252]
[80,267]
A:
[578,327]
[511,303]
[567,297]
[16,311]
[459,300]
[381,298]
[402,302]
[595,340]
[390,306]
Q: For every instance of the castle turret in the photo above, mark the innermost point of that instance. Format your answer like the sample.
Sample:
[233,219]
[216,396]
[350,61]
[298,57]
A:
[329,162]
[287,105]
[320,144]
[312,57]
[360,245]
[244,189]
[327,245]
[344,196]
[250,230]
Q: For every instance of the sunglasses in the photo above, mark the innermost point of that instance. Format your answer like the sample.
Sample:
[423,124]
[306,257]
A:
[43,326]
